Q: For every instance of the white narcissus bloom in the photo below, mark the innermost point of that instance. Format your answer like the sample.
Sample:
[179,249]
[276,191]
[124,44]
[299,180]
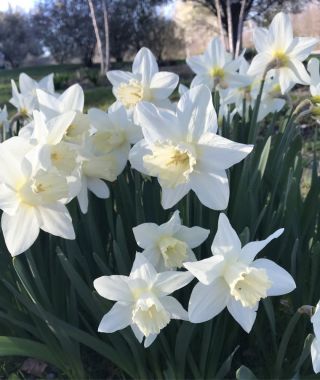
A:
[53,105]
[50,150]
[169,245]
[277,48]
[145,83]
[105,151]
[270,100]
[26,100]
[184,152]
[30,200]
[216,68]
[315,345]
[143,300]
[232,278]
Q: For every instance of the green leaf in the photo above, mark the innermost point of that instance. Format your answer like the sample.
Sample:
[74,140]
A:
[11,346]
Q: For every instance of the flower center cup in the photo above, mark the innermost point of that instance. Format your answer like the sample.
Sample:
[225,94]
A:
[280,58]
[43,189]
[174,251]
[247,285]
[149,315]
[131,93]
[172,164]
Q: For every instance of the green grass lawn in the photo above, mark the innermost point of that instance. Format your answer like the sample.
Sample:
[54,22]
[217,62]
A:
[99,96]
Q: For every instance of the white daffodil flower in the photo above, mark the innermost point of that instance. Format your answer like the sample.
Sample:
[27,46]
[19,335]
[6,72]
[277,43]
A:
[315,345]
[53,105]
[50,150]
[271,100]
[30,200]
[26,100]
[184,152]
[145,83]
[216,68]
[278,49]
[104,153]
[233,279]
[169,245]
[143,300]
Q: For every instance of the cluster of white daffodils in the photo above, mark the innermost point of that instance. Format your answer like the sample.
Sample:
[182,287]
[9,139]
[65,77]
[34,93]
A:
[181,146]
[231,278]
[62,152]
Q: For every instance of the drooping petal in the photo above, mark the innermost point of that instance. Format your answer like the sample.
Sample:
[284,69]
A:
[218,153]
[21,229]
[300,71]
[282,281]
[206,270]
[171,196]
[146,234]
[163,84]
[287,78]
[259,63]
[149,340]
[226,240]
[56,220]
[142,269]
[250,250]
[207,301]
[118,318]
[99,188]
[114,288]
[83,195]
[174,307]
[212,189]
[168,282]
[138,334]
[245,316]
[193,236]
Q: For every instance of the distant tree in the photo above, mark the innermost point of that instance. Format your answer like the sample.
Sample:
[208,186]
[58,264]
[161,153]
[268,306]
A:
[65,28]
[231,14]
[164,36]
[17,37]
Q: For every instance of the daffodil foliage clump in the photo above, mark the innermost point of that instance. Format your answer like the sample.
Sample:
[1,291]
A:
[163,239]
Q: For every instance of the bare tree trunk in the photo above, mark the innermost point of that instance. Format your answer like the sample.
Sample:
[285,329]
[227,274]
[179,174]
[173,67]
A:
[240,28]
[230,31]
[218,8]
[106,34]
[96,31]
